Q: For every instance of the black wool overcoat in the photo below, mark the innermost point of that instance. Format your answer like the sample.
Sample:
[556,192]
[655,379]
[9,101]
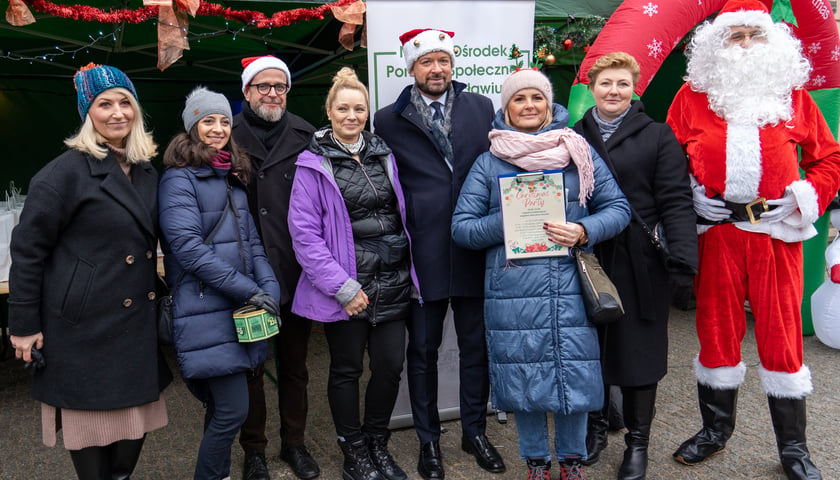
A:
[651,169]
[431,189]
[269,190]
[84,261]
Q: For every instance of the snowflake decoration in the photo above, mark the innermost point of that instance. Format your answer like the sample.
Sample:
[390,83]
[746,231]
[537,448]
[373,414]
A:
[835,54]
[818,81]
[814,48]
[654,48]
[650,9]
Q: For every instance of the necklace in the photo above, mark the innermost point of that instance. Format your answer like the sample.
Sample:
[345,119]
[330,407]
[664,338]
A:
[351,148]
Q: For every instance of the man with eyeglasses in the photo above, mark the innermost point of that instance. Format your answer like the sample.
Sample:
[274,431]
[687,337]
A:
[273,138]
[740,117]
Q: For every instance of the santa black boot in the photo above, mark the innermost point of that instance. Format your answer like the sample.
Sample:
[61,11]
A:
[717,409]
[788,416]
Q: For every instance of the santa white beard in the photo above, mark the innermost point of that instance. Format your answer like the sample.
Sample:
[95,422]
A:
[749,86]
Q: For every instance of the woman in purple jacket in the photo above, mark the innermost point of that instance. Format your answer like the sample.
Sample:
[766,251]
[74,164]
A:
[347,220]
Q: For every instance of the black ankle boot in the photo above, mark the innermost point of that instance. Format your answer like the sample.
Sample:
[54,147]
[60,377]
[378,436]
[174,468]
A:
[381,457]
[597,424]
[91,463]
[638,416]
[717,409]
[788,416]
[357,462]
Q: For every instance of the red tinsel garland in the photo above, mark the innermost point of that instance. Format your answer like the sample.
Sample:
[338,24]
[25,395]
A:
[259,19]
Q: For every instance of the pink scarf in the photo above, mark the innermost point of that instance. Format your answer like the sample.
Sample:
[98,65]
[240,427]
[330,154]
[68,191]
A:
[547,151]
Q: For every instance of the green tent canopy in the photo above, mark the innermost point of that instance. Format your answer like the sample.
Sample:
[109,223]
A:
[37,100]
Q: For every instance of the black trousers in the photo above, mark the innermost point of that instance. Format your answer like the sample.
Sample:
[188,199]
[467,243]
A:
[385,344]
[291,348]
[425,334]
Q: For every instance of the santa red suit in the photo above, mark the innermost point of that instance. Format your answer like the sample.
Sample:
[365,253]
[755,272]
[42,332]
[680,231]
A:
[740,119]
[758,262]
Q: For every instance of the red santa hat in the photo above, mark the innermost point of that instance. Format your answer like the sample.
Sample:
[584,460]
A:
[421,41]
[748,13]
[254,65]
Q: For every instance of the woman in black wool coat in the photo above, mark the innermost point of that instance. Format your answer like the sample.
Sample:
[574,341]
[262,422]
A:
[651,169]
[83,280]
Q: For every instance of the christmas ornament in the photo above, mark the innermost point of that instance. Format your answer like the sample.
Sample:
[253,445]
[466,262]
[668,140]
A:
[568,44]
[549,59]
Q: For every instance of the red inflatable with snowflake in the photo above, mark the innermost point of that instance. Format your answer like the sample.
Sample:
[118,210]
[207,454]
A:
[650,29]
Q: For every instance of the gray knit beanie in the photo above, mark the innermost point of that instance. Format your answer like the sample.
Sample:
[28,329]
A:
[526,78]
[202,102]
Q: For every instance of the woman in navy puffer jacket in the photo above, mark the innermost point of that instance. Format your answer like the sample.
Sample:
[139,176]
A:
[542,349]
[202,189]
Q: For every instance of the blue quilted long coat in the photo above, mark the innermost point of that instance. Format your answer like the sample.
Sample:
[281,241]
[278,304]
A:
[543,352]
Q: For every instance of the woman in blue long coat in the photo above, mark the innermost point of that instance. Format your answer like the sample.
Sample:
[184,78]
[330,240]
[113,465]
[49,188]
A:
[543,351]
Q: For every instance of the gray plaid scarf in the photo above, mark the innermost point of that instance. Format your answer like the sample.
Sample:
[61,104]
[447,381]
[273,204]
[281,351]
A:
[441,130]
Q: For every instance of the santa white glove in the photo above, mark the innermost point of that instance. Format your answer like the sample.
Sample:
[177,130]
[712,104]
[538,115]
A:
[709,208]
[784,207]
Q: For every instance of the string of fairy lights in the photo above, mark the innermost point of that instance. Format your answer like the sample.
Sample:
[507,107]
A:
[60,51]
[249,20]
[104,38]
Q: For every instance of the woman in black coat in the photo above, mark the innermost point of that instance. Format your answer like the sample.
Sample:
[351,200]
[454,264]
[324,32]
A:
[82,283]
[651,169]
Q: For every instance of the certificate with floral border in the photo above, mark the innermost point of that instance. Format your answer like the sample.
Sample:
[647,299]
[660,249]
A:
[529,200]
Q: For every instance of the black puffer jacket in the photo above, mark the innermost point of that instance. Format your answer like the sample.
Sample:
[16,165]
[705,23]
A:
[381,245]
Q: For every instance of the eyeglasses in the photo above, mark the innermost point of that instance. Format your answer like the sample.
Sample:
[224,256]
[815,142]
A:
[754,36]
[265,88]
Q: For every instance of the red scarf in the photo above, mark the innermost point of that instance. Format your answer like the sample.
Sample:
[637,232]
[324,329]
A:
[221,160]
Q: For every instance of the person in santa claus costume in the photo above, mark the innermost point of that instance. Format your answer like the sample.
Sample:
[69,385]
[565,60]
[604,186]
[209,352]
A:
[740,117]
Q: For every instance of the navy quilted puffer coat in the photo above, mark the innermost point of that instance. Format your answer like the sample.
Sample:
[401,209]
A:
[215,281]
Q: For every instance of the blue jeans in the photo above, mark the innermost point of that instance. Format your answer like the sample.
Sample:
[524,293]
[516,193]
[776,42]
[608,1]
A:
[569,435]
[227,407]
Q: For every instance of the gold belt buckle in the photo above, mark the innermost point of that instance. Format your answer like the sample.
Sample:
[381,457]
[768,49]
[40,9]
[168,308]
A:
[749,207]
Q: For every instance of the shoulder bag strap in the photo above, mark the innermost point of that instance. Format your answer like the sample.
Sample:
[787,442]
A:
[232,207]
[207,241]
[654,239]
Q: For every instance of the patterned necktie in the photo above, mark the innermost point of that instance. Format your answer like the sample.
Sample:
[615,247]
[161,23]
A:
[438,112]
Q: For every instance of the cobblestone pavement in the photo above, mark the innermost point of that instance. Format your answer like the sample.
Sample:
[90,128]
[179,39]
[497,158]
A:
[751,453]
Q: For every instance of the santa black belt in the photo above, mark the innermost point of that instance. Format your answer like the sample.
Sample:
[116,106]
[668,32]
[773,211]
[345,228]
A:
[741,212]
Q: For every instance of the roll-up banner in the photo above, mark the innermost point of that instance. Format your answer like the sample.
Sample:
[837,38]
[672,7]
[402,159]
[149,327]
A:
[484,32]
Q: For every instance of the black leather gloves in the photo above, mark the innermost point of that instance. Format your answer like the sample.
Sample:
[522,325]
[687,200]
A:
[265,301]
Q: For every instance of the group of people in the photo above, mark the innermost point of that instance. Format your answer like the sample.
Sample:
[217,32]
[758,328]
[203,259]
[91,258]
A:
[377,234]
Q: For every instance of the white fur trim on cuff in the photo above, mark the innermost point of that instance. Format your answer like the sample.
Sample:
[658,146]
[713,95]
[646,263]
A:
[786,385]
[720,378]
[806,200]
